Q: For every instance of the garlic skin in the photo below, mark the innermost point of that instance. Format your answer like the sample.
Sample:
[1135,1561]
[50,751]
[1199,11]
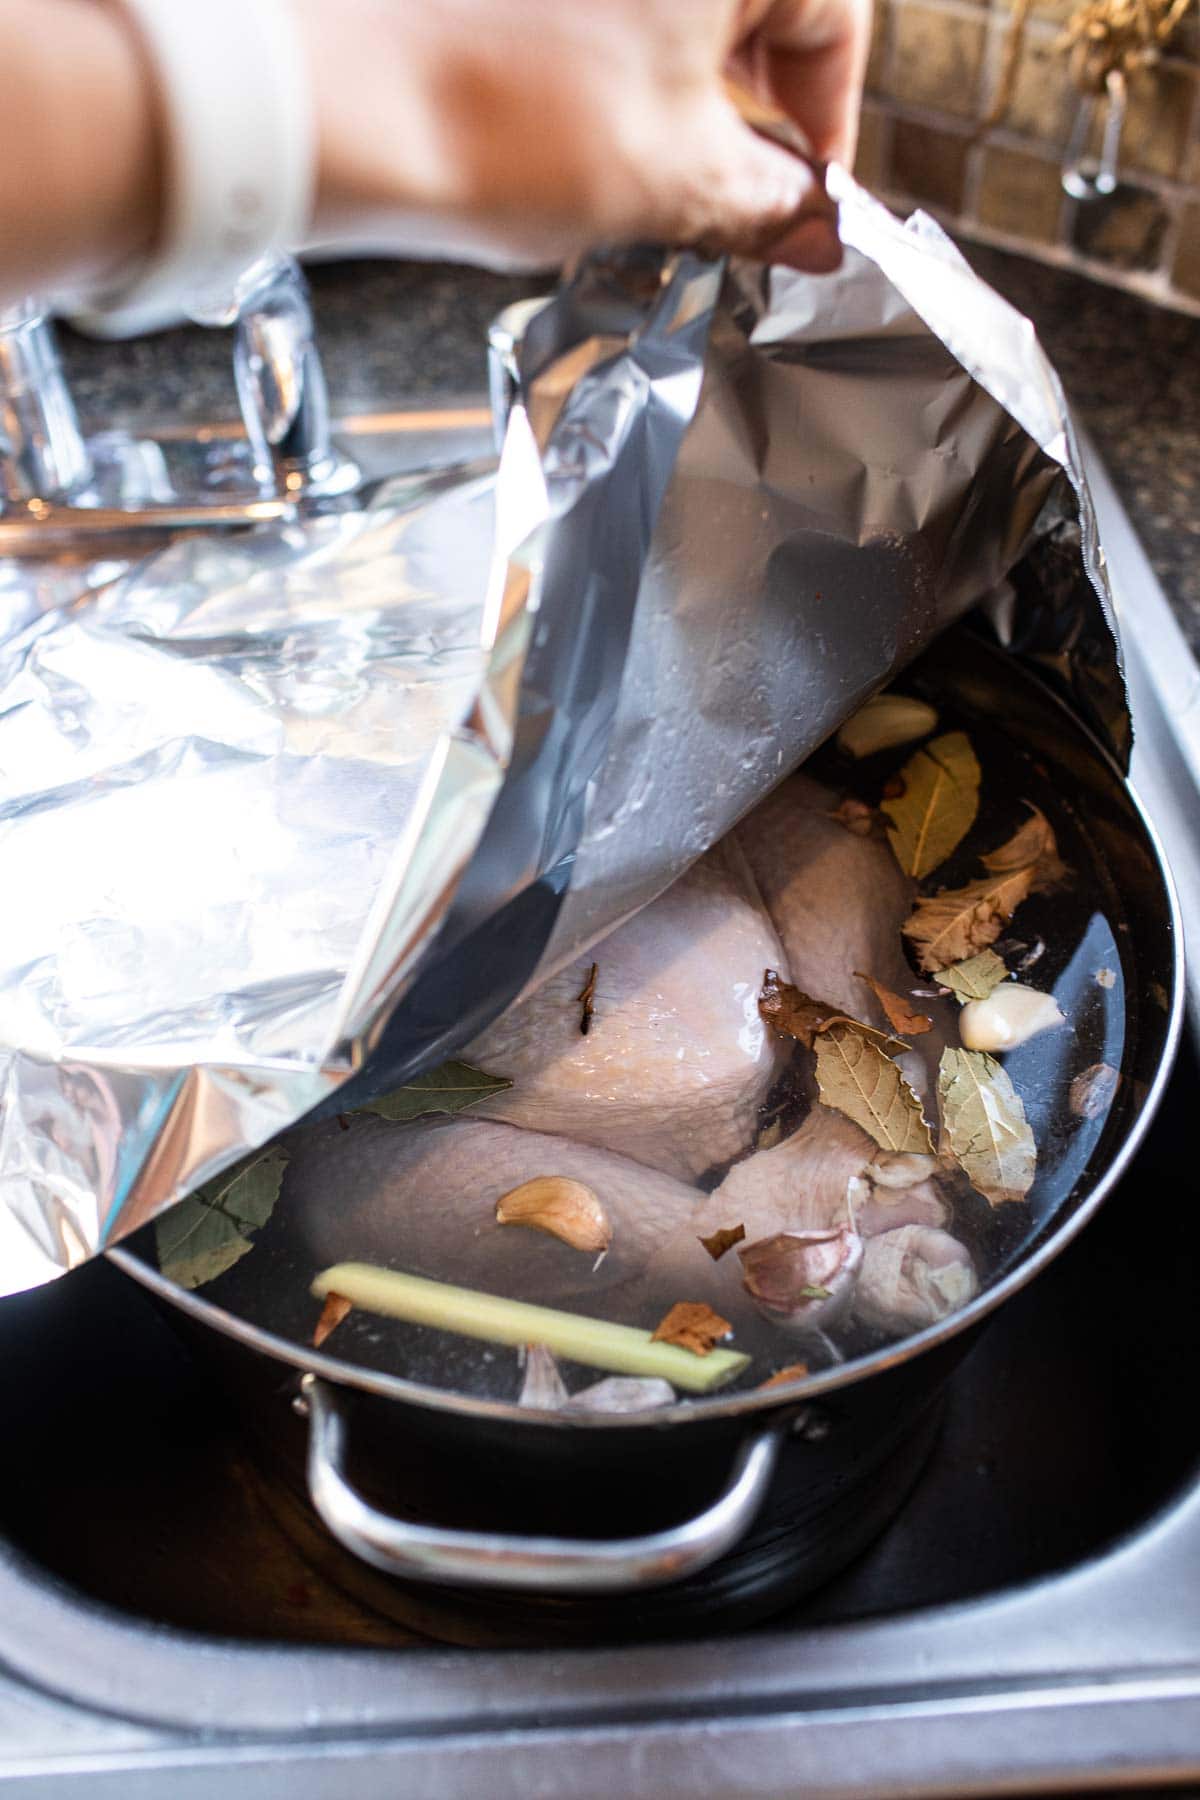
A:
[778,1270]
[543,1388]
[1009,1016]
[884,723]
[912,1278]
[566,1209]
[623,1394]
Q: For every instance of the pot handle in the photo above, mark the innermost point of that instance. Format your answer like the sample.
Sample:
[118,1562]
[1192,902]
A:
[535,1565]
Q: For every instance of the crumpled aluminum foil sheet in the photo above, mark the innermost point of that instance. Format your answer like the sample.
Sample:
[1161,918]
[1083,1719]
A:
[291,816]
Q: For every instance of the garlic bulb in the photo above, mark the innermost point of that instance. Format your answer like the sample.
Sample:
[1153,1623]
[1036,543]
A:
[803,1280]
[1009,1016]
[884,723]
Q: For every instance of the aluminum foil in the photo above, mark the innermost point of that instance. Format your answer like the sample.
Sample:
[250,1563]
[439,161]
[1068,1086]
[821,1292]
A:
[290,817]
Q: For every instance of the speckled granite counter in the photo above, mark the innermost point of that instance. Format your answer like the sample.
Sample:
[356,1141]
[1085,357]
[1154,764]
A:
[397,331]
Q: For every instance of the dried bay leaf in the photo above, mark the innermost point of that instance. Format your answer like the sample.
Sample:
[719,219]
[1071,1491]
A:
[857,1079]
[335,1309]
[797,1015]
[984,1126]
[448,1089]
[783,1377]
[693,1326]
[587,1000]
[790,1012]
[938,806]
[724,1239]
[949,927]
[975,978]
[900,1015]
[1035,847]
[209,1231]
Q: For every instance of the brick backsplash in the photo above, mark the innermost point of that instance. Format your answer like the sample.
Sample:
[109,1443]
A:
[934,72]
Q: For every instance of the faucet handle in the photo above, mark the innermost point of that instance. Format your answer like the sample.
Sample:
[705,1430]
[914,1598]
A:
[51,476]
[43,456]
[280,382]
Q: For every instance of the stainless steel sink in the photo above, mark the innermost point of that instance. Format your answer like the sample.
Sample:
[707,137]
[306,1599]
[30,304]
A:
[1030,1623]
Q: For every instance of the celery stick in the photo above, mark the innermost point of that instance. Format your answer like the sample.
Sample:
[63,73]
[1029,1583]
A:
[619,1349]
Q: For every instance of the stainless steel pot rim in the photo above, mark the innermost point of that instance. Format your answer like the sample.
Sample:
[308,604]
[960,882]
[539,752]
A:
[743,1404]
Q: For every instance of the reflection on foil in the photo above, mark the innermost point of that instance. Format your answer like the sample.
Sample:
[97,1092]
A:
[290,816]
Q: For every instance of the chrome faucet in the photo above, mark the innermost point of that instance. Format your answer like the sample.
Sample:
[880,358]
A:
[54,481]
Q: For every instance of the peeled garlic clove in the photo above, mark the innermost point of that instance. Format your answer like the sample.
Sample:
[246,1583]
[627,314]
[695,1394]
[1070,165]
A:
[912,1278]
[543,1387]
[803,1280]
[884,723]
[566,1209]
[623,1394]
[900,1169]
[1009,1016]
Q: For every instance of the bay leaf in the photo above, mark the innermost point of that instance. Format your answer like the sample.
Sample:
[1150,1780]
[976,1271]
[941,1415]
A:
[949,927]
[792,1013]
[1033,846]
[900,1014]
[855,1077]
[693,1326]
[977,977]
[984,1126]
[723,1239]
[448,1089]
[781,1377]
[797,1015]
[335,1309]
[204,1235]
[938,806]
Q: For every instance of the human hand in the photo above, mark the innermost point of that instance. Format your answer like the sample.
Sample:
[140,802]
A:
[524,130]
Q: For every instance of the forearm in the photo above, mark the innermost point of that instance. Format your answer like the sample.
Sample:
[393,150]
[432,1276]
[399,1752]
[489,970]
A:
[79,158]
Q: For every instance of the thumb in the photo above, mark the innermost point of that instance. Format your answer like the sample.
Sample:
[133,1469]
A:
[736,191]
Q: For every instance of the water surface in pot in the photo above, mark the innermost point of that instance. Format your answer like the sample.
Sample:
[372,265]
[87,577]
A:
[354,1190]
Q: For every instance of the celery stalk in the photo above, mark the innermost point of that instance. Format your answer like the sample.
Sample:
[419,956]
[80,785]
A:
[618,1349]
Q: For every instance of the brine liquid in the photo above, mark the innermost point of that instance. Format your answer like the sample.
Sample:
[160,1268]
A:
[1075,944]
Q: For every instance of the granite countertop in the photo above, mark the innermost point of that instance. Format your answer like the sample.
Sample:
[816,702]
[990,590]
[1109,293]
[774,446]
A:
[393,332]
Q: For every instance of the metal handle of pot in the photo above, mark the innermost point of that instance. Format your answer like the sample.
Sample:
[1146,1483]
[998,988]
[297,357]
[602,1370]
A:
[545,1565]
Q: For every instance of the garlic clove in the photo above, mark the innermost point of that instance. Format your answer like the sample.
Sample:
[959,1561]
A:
[900,1169]
[566,1209]
[623,1394]
[543,1387]
[803,1280]
[1009,1016]
[884,723]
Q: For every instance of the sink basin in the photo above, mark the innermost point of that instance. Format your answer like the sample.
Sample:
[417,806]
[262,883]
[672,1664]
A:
[1030,1621]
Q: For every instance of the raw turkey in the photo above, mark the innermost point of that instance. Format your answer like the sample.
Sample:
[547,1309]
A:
[676,1061]
[838,902]
[912,1278]
[422,1198]
[797,1186]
